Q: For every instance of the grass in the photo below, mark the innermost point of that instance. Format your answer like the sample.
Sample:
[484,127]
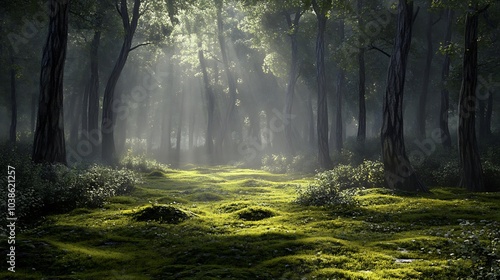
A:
[243,224]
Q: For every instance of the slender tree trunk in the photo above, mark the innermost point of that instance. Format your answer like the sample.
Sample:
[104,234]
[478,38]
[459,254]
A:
[472,173]
[362,81]
[310,120]
[293,26]
[399,174]
[422,104]
[13,101]
[339,129]
[108,118]
[322,117]
[49,144]
[179,129]
[231,103]
[93,93]
[489,113]
[445,94]
[210,99]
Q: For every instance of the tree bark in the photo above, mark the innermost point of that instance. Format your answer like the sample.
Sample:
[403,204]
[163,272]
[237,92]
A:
[322,117]
[445,94]
[422,104]
[399,174]
[362,81]
[93,91]
[470,163]
[49,144]
[108,118]
[210,99]
[293,26]
[339,130]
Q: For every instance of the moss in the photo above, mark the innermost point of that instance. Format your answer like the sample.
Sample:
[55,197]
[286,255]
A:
[255,213]
[162,214]
[242,224]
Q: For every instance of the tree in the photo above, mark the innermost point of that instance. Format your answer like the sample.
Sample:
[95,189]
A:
[293,26]
[422,102]
[445,94]
[399,174]
[470,163]
[336,135]
[108,121]
[321,8]
[362,80]
[49,144]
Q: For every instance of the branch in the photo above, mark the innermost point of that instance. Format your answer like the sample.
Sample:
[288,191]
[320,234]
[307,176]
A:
[146,8]
[372,47]
[118,8]
[416,14]
[140,45]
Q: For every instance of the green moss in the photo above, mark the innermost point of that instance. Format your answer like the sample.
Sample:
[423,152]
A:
[242,224]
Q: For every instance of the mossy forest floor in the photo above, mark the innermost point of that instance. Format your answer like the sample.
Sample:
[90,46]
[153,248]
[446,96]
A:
[243,224]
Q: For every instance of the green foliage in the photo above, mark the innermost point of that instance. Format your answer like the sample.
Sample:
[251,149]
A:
[42,189]
[282,164]
[141,163]
[339,185]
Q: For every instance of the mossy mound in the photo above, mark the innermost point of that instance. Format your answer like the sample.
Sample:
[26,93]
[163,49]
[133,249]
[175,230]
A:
[232,207]
[156,173]
[255,213]
[162,214]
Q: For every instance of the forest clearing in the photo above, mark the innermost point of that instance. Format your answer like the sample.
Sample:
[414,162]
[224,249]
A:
[243,224]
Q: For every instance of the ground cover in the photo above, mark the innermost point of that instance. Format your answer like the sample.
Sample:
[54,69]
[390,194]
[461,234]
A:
[227,223]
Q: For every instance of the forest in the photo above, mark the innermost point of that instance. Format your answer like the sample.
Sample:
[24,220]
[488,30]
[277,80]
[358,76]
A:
[250,139]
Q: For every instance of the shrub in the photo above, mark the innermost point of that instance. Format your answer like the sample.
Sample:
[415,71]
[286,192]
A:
[282,164]
[142,164]
[339,185]
[42,189]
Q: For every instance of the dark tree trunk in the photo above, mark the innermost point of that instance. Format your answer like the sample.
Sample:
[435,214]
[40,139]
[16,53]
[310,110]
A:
[322,117]
[399,174]
[311,135]
[362,81]
[422,103]
[49,145]
[108,118]
[445,94]
[293,26]
[13,101]
[210,99]
[231,102]
[93,92]
[489,113]
[472,173]
[337,120]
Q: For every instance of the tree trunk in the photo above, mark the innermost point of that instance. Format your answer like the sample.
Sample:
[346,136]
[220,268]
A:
[422,104]
[445,94]
[472,173]
[13,101]
[362,81]
[322,117]
[93,92]
[49,144]
[210,99]
[489,113]
[399,174]
[339,130]
[179,130]
[108,118]
[293,26]
[231,104]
